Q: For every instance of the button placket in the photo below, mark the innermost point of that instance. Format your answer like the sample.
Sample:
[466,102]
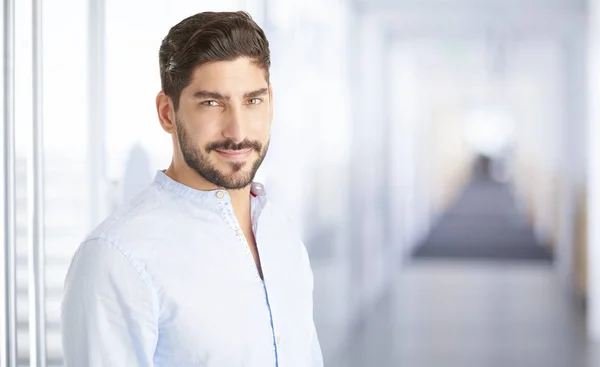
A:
[229,218]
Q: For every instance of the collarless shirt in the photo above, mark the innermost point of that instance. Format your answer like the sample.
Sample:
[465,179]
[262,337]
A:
[169,280]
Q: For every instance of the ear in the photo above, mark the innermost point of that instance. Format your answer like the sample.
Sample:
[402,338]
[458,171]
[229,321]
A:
[166,114]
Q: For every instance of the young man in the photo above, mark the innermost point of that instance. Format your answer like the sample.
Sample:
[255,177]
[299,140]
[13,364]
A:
[199,269]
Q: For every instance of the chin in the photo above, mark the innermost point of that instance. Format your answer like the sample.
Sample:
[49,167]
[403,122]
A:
[232,173]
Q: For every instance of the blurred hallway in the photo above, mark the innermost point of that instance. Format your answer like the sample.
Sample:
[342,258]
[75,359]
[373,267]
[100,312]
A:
[456,305]
[484,223]
[382,108]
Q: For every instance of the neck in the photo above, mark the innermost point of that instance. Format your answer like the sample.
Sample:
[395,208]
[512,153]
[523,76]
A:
[240,200]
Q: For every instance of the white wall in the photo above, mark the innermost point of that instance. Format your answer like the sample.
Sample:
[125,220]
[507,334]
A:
[409,167]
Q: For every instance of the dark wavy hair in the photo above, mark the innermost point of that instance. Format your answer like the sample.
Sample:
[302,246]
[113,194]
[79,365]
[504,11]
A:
[209,37]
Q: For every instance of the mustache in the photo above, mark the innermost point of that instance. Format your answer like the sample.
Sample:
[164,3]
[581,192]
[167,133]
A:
[231,145]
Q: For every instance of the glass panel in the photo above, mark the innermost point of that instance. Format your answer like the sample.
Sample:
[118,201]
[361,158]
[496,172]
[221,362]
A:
[67,201]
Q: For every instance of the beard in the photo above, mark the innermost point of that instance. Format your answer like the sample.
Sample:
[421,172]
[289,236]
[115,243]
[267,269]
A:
[198,159]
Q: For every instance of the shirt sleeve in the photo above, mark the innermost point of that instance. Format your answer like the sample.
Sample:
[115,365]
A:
[316,357]
[109,310]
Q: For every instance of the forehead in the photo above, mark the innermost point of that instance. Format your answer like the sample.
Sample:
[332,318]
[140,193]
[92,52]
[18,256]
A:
[228,77]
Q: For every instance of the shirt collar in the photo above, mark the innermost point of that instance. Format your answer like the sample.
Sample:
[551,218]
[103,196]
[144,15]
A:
[201,196]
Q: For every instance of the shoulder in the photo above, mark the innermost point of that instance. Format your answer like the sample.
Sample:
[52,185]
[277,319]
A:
[102,272]
[278,214]
[97,253]
[289,230]
[146,216]
[125,244]
[99,258]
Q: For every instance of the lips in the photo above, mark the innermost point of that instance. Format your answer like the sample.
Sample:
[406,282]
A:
[234,154]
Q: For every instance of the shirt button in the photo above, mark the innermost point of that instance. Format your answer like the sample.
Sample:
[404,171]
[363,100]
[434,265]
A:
[278,340]
[220,194]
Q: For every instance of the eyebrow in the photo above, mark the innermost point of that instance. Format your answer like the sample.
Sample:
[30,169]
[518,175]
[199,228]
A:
[202,94]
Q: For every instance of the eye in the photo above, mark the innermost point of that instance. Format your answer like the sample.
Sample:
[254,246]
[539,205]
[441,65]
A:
[255,101]
[210,103]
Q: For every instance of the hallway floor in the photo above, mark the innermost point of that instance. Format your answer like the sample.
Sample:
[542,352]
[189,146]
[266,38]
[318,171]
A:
[472,314]
[483,223]
[480,292]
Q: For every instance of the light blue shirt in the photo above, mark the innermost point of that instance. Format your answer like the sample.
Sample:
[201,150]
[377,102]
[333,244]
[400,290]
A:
[169,280]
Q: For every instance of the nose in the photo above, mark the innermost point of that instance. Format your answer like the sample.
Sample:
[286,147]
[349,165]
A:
[234,128]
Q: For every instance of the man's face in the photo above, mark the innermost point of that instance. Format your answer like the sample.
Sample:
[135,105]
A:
[224,122]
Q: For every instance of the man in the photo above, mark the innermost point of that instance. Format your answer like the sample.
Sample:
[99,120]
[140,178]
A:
[200,269]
